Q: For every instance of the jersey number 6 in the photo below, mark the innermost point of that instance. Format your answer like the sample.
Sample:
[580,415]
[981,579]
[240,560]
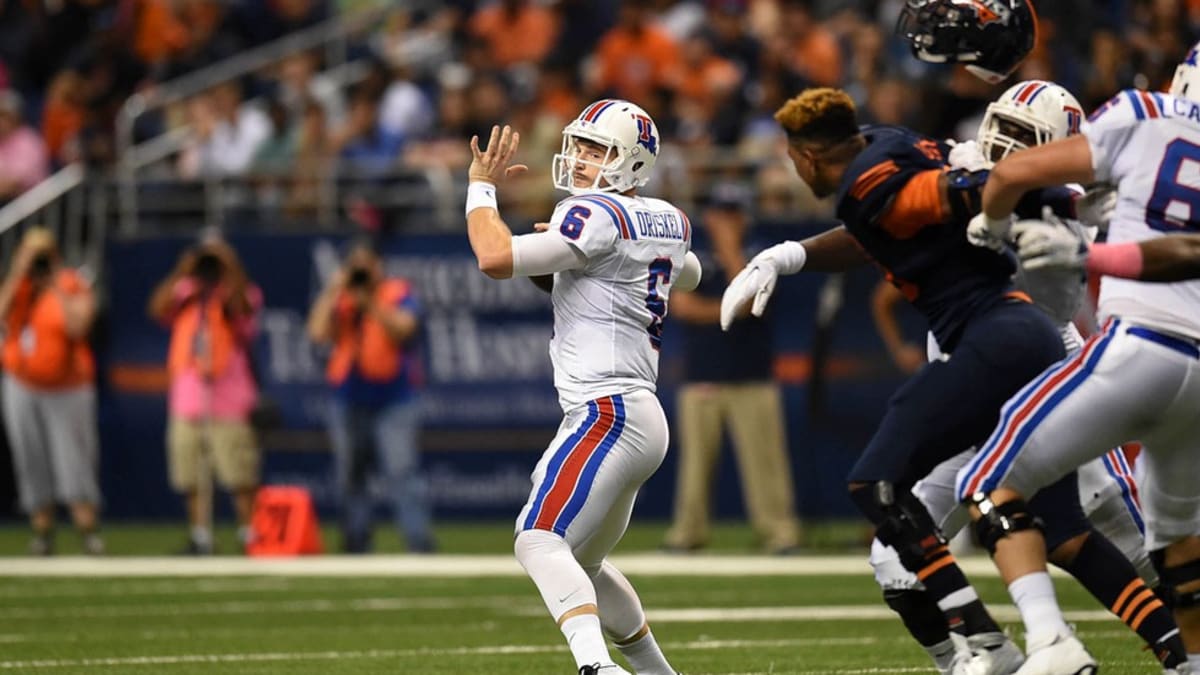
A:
[572,224]
[660,272]
[1169,189]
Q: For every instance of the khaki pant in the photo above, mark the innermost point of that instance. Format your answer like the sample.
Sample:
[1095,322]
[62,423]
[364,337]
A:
[754,415]
[230,447]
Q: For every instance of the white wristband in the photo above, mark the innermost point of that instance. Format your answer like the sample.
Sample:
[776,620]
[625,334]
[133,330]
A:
[790,257]
[479,195]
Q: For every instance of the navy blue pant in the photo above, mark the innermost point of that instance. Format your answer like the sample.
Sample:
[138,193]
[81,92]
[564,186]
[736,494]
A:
[955,404]
[952,405]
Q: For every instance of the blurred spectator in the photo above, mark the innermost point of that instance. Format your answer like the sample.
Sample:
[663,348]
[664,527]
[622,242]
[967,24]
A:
[726,20]
[734,392]
[372,321]
[212,309]
[63,117]
[515,31]
[299,83]
[405,109]
[49,394]
[226,133]
[705,78]
[636,57]
[23,160]
[361,142]
[444,148]
[816,54]
[422,46]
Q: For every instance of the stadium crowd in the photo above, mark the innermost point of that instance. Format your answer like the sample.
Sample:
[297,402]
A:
[711,72]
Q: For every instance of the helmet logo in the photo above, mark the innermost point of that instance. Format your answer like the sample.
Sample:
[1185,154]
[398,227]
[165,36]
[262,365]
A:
[1193,57]
[1074,119]
[646,136]
[985,13]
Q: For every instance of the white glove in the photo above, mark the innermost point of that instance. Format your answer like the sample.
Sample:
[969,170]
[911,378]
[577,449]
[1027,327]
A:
[968,157]
[1049,243]
[987,233]
[1095,208]
[757,279]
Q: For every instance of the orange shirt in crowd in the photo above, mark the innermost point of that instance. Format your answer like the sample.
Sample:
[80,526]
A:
[632,65]
[701,81]
[61,121]
[37,349]
[818,58]
[159,33]
[527,35]
[362,343]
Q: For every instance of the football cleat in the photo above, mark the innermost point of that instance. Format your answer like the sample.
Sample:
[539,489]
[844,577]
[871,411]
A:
[607,669]
[1061,654]
[988,654]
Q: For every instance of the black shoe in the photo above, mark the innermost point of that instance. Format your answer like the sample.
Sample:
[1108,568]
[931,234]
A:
[41,545]
[681,549]
[93,544]
[423,545]
[595,669]
[194,549]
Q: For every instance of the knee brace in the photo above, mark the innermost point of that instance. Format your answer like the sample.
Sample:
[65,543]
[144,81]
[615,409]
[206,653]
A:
[1000,520]
[1174,577]
[901,521]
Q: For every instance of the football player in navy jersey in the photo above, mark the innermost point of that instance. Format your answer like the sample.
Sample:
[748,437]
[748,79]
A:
[904,209]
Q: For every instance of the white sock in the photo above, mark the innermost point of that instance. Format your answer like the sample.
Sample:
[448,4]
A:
[622,617]
[586,640]
[202,536]
[942,654]
[1194,662]
[645,656]
[1034,597]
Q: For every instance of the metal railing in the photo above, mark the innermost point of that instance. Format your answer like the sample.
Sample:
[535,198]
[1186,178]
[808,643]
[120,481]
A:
[331,35]
[74,208]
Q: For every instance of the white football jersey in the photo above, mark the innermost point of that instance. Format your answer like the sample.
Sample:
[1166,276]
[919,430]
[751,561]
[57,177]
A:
[1147,144]
[608,314]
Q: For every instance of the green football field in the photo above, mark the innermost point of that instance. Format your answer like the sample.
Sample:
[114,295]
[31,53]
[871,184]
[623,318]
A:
[458,613]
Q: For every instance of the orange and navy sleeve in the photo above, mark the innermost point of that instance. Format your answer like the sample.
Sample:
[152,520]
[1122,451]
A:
[896,188]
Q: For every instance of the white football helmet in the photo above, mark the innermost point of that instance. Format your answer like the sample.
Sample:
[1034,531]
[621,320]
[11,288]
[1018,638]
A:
[1187,77]
[628,133]
[1030,113]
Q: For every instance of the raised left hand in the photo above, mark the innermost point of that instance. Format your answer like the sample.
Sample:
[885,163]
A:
[492,165]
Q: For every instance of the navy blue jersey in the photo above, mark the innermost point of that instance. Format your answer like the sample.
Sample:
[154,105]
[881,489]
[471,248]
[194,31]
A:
[889,202]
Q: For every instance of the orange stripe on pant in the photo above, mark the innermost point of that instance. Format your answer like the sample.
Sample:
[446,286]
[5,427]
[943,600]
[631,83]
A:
[568,474]
[929,569]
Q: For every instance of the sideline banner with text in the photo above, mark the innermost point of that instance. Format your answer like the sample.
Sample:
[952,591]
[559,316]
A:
[489,404]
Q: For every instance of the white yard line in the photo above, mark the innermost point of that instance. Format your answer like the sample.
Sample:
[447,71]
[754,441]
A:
[498,650]
[443,566]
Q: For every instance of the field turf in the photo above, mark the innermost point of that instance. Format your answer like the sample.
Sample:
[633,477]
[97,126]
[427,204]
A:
[432,615]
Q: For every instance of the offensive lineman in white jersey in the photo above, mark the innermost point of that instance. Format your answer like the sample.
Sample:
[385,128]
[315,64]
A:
[1029,113]
[615,257]
[1138,379]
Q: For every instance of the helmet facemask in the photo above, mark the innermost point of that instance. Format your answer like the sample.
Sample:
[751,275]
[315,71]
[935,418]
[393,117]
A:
[1002,135]
[568,159]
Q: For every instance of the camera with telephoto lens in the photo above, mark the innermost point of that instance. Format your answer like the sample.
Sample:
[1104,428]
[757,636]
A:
[359,277]
[208,267]
[40,265]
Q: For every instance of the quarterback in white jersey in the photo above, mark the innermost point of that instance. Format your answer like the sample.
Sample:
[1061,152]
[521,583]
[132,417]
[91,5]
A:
[1138,379]
[614,257]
